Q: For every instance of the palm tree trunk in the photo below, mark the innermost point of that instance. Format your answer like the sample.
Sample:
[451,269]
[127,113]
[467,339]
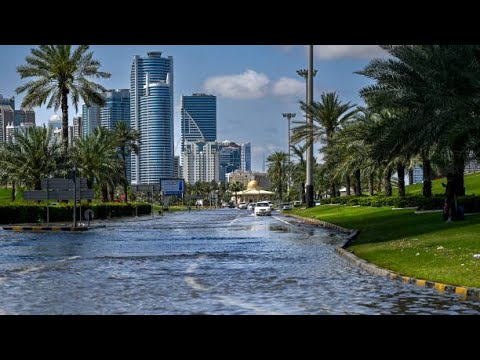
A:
[410,176]
[427,182]
[459,156]
[112,194]
[333,189]
[281,185]
[65,118]
[14,190]
[388,182]
[347,180]
[401,179]
[358,183]
[104,193]
[370,183]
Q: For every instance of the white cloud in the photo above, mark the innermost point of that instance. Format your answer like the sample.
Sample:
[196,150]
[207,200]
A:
[249,85]
[327,52]
[287,86]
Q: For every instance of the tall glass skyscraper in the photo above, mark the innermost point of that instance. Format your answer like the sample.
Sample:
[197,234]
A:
[199,118]
[90,118]
[117,108]
[246,157]
[151,113]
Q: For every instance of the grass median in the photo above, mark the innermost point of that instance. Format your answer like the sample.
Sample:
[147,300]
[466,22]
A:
[417,245]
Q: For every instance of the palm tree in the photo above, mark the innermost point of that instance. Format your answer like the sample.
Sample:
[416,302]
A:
[329,115]
[236,187]
[96,159]
[31,157]
[127,140]
[59,74]
[276,163]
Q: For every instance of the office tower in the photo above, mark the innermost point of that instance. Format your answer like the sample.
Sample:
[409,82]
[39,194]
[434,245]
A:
[246,156]
[6,118]
[7,101]
[151,113]
[199,118]
[90,118]
[117,108]
[24,116]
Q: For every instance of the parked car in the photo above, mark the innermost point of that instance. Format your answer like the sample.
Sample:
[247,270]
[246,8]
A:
[242,205]
[263,208]
[317,202]
[287,206]
[251,206]
[297,203]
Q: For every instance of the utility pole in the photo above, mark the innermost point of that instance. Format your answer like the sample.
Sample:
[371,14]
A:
[309,177]
[289,116]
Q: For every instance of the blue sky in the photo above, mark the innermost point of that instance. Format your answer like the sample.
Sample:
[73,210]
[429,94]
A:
[254,84]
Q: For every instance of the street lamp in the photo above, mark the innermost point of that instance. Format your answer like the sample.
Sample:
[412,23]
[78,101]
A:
[289,116]
[304,73]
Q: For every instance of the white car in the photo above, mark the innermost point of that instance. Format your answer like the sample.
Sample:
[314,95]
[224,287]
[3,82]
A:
[251,206]
[287,206]
[263,208]
[242,205]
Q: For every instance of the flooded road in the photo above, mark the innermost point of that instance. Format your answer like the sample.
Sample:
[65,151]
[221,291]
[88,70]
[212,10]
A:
[224,261]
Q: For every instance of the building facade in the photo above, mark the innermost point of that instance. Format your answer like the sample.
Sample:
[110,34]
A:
[24,116]
[117,108]
[199,118]
[246,157]
[151,113]
[90,118]
[229,158]
[200,161]
[6,118]
[7,101]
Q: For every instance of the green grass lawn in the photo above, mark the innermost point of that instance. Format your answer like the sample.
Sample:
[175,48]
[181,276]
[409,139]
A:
[421,246]
[472,186]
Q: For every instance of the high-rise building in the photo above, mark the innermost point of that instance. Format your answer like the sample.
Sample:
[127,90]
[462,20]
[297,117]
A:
[24,116]
[200,161]
[7,101]
[90,118]
[6,118]
[246,156]
[199,118]
[117,108]
[77,127]
[229,158]
[151,113]
[177,168]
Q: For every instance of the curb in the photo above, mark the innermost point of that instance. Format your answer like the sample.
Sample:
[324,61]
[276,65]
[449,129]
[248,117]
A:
[465,293]
[44,228]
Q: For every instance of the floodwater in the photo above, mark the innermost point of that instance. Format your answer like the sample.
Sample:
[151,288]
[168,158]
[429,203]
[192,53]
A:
[224,261]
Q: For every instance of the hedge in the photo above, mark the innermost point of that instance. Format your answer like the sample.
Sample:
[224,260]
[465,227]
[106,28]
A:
[471,203]
[31,213]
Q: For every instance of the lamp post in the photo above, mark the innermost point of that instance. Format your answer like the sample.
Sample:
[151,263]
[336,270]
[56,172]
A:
[289,116]
[308,75]
[309,180]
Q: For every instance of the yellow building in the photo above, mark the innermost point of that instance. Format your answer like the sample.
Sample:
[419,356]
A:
[254,193]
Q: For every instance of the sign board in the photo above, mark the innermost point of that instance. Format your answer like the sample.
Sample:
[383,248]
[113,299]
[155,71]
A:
[172,186]
[146,188]
[36,195]
[63,184]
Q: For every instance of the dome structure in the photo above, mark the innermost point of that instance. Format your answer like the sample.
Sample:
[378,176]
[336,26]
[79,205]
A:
[252,185]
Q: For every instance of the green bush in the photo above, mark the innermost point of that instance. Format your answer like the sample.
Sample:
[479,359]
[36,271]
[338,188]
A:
[471,203]
[28,213]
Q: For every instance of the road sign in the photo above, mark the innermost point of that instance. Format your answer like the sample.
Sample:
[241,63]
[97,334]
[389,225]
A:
[60,195]
[172,186]
[146,188]
[64,184]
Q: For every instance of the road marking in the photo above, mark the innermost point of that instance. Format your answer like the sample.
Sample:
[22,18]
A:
[285,222]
